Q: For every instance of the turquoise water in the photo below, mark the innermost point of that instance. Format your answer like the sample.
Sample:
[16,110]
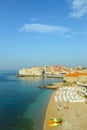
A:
[22,103]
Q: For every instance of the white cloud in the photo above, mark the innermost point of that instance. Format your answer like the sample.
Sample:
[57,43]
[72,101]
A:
[79,8]
[41,28]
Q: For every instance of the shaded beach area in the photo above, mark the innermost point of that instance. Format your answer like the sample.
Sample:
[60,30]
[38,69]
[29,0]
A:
[73,114]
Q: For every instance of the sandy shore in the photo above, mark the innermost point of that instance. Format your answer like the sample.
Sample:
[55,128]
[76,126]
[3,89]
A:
[74,118]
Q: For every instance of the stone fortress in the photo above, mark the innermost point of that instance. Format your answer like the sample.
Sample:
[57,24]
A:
[47,71]
[57,71]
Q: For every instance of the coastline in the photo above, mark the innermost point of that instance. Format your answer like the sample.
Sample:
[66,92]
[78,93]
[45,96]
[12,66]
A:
[50,112]
[74,118]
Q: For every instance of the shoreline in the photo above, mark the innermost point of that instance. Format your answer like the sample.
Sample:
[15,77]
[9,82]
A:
[74,118]
[50,111]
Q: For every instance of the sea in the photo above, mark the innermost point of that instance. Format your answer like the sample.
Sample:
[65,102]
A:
[22,103]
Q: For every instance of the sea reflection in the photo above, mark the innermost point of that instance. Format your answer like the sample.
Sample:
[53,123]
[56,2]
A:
[38,81]
[31,78]
[32,81]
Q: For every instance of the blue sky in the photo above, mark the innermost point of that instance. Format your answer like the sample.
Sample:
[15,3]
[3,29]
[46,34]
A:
[43,32]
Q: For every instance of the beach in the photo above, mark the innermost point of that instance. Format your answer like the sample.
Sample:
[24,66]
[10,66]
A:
[73,114]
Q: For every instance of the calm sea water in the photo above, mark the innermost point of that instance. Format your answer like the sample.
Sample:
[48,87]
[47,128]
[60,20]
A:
[22,103]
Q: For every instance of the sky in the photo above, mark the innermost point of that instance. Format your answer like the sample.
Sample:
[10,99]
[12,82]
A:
[43,32]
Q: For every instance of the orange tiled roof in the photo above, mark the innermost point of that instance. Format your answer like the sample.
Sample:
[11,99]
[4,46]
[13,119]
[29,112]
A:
[72,74]
[83,74]
[76,74]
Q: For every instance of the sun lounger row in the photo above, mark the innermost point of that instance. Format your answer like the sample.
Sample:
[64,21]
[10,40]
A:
[68,94]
